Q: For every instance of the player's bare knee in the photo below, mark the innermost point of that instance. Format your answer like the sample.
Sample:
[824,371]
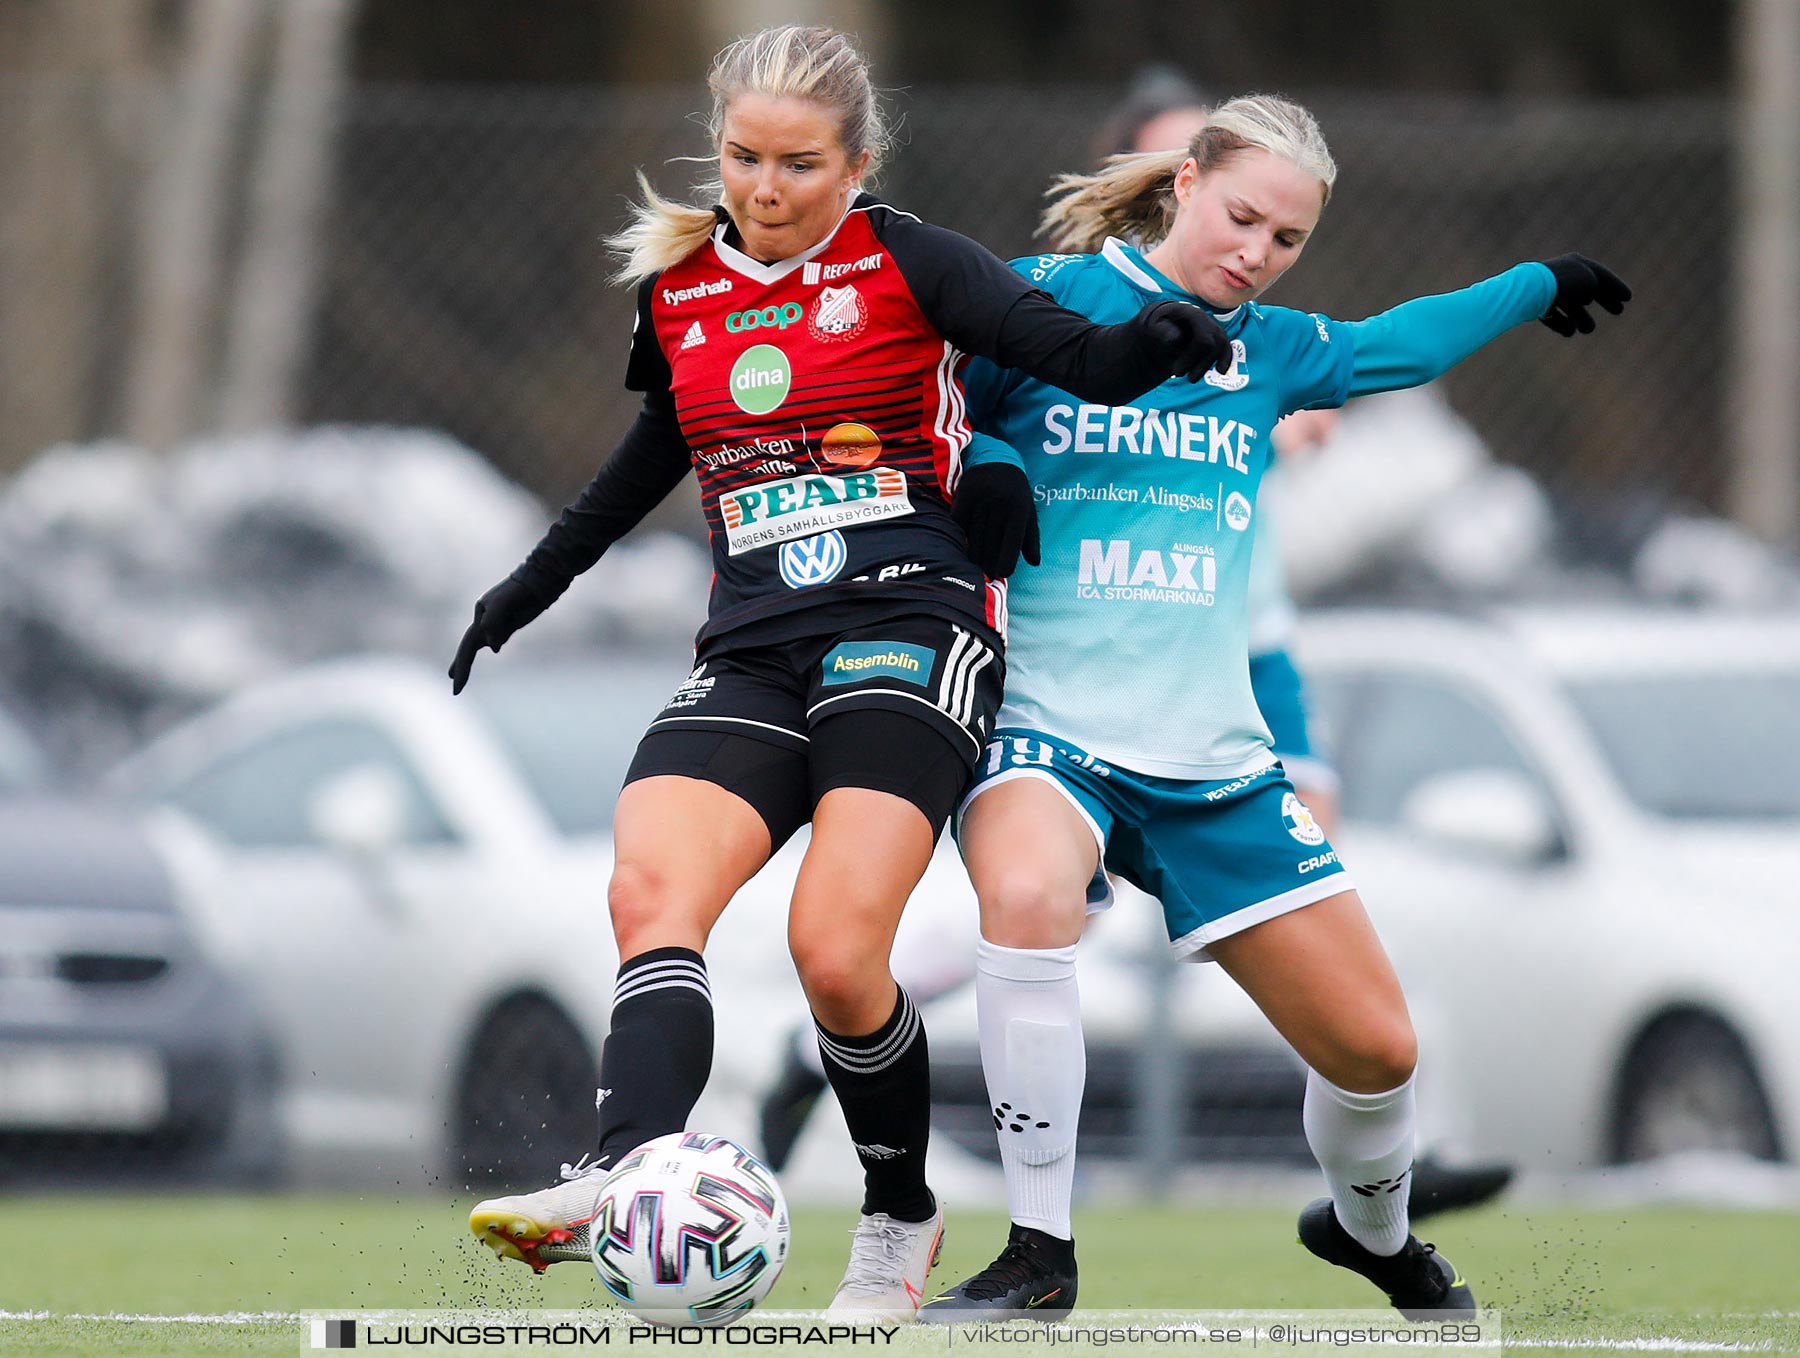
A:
[1025,909]
[1380,1057]
[641,904]
[844,991]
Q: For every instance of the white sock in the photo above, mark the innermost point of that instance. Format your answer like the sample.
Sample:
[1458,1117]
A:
[1036,1064]
[1364,1143]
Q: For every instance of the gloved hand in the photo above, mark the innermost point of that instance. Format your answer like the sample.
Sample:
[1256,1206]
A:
[1184,336]
[499,613]
[1579,281]
[994,507]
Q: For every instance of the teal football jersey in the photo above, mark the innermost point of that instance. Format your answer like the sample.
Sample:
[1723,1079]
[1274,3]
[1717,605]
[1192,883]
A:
[1131,638]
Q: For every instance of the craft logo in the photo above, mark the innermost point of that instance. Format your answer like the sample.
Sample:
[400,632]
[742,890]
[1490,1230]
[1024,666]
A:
[839,314]
[1236,376]
[814,560]
[1299,821]
[760,379]
[857,660]
[769,318]
[676,296]
[1237,510]
[800,506]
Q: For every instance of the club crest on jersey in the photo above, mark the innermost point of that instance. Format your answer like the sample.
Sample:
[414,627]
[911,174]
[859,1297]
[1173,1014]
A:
[1299,821]
[1236,376]
[769,512]
[838,314]
[814,560]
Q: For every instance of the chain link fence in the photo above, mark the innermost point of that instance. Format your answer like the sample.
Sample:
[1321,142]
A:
[462,283]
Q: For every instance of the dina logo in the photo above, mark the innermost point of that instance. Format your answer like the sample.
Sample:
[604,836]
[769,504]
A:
[760,379]
[814,560]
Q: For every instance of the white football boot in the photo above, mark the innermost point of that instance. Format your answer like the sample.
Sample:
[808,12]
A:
[889,1263]
[547,1227]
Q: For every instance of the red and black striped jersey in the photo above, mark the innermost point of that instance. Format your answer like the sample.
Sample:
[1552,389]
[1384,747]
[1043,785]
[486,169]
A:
[819,401]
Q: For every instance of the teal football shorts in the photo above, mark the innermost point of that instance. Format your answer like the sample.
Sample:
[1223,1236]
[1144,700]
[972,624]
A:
[1220,855]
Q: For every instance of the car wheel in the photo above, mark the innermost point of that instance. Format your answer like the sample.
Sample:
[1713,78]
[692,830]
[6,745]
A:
[526,1097]
[1690,1085]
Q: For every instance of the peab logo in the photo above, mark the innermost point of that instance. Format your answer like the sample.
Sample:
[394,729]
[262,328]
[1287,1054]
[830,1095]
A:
[760,379]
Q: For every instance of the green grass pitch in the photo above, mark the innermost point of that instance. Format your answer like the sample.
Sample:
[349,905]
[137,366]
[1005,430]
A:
[1567,1281]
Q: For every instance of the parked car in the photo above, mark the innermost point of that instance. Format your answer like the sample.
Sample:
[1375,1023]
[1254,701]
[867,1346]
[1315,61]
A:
[415,885]
[125,1051]
[1578,833]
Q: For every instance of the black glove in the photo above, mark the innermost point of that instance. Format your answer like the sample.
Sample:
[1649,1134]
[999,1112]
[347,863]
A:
[1579,281]
[994,507]
[499,613]
[1184,337]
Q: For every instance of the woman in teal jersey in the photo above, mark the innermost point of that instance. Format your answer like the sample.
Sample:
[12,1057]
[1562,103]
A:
[1130,740]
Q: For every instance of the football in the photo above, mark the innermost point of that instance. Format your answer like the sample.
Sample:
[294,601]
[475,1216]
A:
[690,1229]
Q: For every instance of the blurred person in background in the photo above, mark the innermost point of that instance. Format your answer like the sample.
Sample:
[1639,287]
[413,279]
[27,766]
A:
[1163,112]
[1129,738]
[797,343]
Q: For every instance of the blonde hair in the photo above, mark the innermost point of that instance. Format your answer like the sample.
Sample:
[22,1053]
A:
[794,61]
[1133,195]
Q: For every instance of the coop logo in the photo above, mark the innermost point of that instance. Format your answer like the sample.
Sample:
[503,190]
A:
[334,1334]
[769,318]
[1116,571]
[1234,378]
[1237,510]
[812,273]
[1299,821]
[814,560]
[856,660]
[760,379]
[676,296]
[800,506]
[839,314]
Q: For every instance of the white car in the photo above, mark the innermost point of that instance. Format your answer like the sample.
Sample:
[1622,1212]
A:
[416,884]
[1578,832]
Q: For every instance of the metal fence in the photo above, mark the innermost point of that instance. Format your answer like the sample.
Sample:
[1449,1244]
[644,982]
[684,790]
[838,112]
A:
[462,283]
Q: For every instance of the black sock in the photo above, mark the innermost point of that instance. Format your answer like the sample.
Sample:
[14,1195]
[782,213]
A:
[658,1051]
[883,1082]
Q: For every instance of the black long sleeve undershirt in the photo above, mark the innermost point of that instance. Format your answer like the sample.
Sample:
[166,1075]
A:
[648,463]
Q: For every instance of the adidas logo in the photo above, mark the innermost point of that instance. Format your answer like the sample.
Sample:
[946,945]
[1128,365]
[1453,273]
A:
[695,335]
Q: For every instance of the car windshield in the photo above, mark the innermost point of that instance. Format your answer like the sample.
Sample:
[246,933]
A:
[1719,746]
[570,731]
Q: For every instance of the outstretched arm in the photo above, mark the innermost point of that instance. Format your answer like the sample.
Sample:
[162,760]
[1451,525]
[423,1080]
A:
[1426,337]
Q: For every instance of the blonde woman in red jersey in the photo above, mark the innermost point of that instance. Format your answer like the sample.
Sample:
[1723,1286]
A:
[799,347]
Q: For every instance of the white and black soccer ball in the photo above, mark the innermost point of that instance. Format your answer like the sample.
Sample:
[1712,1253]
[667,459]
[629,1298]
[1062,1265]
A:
[690,1229]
